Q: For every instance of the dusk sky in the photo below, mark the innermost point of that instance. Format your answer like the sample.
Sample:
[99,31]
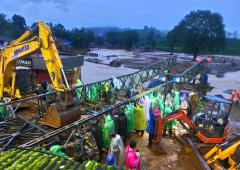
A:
[122,13]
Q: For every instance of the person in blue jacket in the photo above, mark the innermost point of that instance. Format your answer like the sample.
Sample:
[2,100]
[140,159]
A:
[151,128]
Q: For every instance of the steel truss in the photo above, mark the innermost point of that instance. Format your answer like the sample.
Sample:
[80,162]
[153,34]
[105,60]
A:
[18,130]
[128,81]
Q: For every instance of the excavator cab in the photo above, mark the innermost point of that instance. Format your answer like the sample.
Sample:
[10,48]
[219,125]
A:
[213,122]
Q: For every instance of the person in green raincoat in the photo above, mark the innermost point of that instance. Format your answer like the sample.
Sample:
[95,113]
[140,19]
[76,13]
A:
[154,97]
[161,103]
[3,111]
[167,110]
[176,100]
[108,92]
[93,93]
[107,127]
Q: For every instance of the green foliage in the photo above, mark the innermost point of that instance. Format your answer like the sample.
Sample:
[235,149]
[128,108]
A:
[129,38]
[199,31]
[81,38]
[12,28]
[126,39]
[18,26]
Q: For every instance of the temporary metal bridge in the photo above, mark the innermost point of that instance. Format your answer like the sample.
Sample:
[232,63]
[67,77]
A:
[129,81]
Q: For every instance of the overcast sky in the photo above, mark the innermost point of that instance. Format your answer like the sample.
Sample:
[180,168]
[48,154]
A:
[162,14]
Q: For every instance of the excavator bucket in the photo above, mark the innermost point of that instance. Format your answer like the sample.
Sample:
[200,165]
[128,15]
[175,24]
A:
[56,117]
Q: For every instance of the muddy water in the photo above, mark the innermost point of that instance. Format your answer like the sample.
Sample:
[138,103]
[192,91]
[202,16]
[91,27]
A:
[95,72]
[229,81]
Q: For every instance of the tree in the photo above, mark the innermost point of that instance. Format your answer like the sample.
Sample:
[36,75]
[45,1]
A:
[151,39]
[199,31]
[113,38]
[129,38]
[81,38]
[235,34]
[18,26]
[3,24]
[59,31]
[99,40]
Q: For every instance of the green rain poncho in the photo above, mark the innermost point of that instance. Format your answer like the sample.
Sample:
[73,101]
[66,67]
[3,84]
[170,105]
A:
[129,112]
[78,90]
[168,109]
[93,93]
[108,127]
[3,111]
[161,104]
[140,118]
[176,101]
[56,149]
[106,87]
[154,101]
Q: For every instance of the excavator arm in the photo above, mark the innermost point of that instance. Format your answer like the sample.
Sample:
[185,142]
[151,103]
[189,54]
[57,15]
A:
[178,115]
[21,48]
[225,151]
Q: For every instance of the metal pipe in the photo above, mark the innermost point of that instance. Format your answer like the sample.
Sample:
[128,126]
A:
[65,78]
[202,160]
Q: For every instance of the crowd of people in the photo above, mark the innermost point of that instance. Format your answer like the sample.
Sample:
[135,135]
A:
[146,111]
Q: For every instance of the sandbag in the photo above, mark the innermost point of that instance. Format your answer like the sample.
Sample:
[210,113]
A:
[107,127]
[129,113]
[140,118]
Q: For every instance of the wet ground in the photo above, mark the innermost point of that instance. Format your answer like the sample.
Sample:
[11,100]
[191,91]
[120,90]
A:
[168,154]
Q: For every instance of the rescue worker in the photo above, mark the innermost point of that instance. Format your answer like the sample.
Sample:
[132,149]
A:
[117,149]
[3,111]
[77,145]
[193,102]
[44,88]
[168,109]
[151,128]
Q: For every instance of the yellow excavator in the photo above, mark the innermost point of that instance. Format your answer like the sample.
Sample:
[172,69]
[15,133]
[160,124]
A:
[27,45]
[226,155]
